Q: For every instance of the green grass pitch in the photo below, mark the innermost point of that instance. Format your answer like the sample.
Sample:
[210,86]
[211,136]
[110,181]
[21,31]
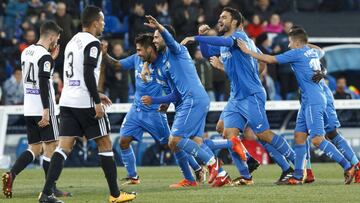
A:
[89,186]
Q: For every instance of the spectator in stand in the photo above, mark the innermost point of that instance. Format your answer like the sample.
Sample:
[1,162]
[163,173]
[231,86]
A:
[213,16]
[2,12]
[35,6]
[255,27]
[263,43]
[268,84]
[285,76]
[29,39]
[186,19]
[264,8]
[341,91]
[275,25]
[117,82]
[205,73]
[163,15]
[14,14]
[64,20]
[136,22]
[13,90]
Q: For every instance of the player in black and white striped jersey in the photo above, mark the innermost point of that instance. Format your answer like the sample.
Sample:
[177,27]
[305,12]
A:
[37,65]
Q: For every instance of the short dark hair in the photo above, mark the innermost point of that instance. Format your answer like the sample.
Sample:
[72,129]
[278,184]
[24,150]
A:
[50,26]
[235,14]
[89,15]
[145,40]
[171,30]
[299,33]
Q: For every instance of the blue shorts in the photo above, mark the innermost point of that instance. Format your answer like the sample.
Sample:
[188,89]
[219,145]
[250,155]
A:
[331,120]
[247,112]
[190,118]
[310,120]
[138,121]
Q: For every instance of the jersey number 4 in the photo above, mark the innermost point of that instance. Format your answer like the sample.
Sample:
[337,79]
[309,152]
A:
[70,69]
[30,75]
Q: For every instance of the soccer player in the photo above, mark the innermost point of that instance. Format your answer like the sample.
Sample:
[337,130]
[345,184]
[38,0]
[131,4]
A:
[37,65]
[310,120]
[188,127]
[81,111]
[279,159]
[246,106]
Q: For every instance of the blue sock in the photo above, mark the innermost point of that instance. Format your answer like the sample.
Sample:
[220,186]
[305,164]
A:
[193,163]
[240,164]
[218,144]
[128,158]
[308,157]
[343,146]
[276,156]
[283,147]
[330,150]
[182,160]
[300,153]
[192,148]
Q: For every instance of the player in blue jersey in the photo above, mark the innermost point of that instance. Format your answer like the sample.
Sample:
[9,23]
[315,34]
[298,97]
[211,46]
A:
[246,106]
[188,127]
[310,120]
[143,118]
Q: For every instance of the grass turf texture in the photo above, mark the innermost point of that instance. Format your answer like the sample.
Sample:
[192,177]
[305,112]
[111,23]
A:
[88,185]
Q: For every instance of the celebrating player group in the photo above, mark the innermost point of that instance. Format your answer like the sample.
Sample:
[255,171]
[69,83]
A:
[162,65]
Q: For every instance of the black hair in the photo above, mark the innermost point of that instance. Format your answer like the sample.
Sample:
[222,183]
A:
[89,15]
[235,14]
[145,40]
[50,26]
[299,33]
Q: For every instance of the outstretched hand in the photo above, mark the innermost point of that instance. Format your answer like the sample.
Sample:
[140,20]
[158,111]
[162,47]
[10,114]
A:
[216,63]
[153,23]
[242,45]
[187,40]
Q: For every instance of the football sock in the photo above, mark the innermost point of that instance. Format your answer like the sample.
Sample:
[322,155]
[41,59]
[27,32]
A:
[192,148]
[182,160]
[193,163]
[46,164]
[24,159]
[218,144]
[109,167]
[128,158]
[283,147]
[276,156]
[300,153]
[344,147]
[54,171]
[308,157]
[240,164]
[208,150]
[330,150]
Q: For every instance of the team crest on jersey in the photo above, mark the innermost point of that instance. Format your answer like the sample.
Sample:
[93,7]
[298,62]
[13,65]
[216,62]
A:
[93,52]
[47,66]
[167,65]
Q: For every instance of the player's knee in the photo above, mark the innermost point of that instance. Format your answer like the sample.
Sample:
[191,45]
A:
[300,138]
[125,143]
[173,141]
[330,135]
[36,149]
[317,140]
[265,136]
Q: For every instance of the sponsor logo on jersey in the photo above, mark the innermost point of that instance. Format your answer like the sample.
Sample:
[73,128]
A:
[32,91]
[74,82]
[93,52]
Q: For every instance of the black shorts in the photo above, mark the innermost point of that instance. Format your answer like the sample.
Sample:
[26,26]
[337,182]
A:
[80,122]
[36,134]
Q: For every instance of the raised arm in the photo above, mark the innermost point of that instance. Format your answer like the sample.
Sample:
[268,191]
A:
[261,57]
[170,42]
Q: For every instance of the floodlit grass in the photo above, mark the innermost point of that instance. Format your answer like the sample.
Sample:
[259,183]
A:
[88,185]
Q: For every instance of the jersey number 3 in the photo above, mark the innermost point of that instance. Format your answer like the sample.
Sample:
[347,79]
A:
[70,69]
